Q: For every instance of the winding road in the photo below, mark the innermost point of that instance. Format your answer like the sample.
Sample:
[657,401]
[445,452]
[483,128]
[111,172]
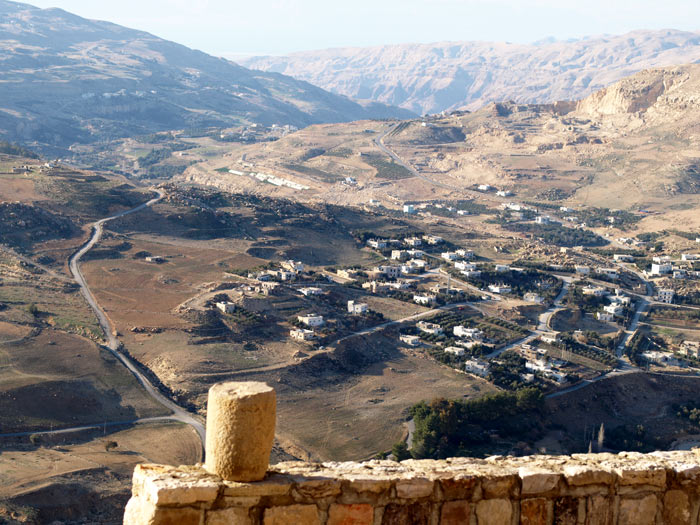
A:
[379,141]
[114,346]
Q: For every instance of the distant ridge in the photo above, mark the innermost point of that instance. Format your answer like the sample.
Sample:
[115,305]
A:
[429,78]
[66,79]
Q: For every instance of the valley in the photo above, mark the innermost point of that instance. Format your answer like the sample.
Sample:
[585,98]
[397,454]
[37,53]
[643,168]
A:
[513,279]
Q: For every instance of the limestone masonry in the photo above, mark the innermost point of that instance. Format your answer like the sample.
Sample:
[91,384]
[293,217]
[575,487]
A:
[586,489]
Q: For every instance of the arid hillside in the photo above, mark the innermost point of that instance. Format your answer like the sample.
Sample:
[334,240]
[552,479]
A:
[429,78]
[633,145]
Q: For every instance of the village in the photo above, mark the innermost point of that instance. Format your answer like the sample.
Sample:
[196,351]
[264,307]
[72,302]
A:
[585,312]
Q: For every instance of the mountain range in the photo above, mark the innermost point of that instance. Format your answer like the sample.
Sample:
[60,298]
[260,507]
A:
[66,79]
[429,78]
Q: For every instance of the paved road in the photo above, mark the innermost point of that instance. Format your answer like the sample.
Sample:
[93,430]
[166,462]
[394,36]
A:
[113,345]
[544,320]
[379,141]
[93,426]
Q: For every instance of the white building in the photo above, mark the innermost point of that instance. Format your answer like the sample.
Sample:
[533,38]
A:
[604,316]
[409,208]
[690,257]
[450,256]
[226,307]
[543,219]
[582,270]
[614,309]
[470,333]
[311,290]
[665,295]
[621,257]
[413,241]
[433,239]
[595,291]
[357,308]
[463,265]
[410,340]
[499,288]
[659,259]
[312,320]
[471,273]
[292,266]
[466,254]
[429,328]
[550,337]
[661,268]
[455,351]
[477,367]
[399,255]
[484,187]
[502,268]
[504,193]
[302,334]
[610,273]
[390,271]
[376,243]
[424,300]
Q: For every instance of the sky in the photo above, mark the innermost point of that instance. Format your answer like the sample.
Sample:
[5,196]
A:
[273,27]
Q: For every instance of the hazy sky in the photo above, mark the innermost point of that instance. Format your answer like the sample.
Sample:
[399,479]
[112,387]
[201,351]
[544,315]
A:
[229,27]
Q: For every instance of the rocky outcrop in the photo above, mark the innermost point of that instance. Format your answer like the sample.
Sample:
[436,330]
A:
[654,88]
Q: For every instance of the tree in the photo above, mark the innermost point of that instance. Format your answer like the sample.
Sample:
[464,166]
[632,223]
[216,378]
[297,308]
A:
[601,437]
[33,309]
[400,451]
[110,445]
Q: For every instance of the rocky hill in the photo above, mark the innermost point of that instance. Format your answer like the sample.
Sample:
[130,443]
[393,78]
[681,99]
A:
[429,78]
[67,79]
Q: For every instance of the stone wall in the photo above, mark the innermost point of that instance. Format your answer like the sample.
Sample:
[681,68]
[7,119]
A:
[625,489]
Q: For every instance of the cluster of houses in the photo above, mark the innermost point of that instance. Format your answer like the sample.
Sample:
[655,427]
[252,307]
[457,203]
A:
[618,302]
[537,362]
[314,320]
[665,266]
[288,271]
[411,209]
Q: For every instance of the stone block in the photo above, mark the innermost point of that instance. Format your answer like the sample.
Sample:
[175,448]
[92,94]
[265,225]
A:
[240,430]
[638,511]
[676,508]
[166,485]
[314,489]
[534,511]
[598,511]
[500,486]
[142,512]
[414,514]
[235,516]
[414,488]
[634,475]
[372,486]
[273,485]
[494,512]
[296,514]
[455,513]
[356,514]
[537,481]
[566,511]
[579,475]
[458,487]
